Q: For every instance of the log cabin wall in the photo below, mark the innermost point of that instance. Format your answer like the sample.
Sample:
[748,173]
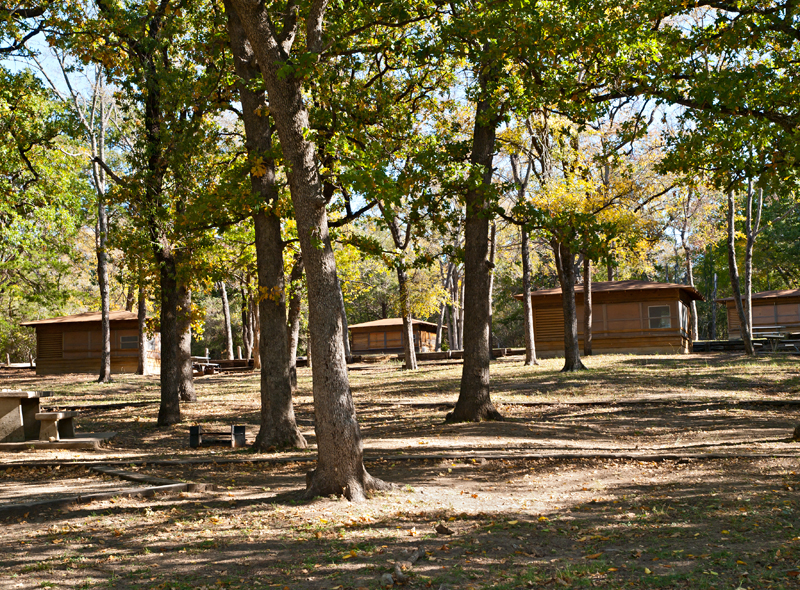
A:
[75,348]
[782,312]
[655,321]
[388,339]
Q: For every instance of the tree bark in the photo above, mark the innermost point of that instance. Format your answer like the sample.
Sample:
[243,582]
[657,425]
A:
[408,322]
[713,330]
[247,332]
[278,429]
[443,308]
[295,306]
[130,297]
[587,306]
[226,318]
[744,320]
[565,265]
[492,255]
[169,411]
[340,463]
[751,232]
[527,304]
[278,425]
[102,279]
[141,316]
[345,331]
[474,403]
[185,377]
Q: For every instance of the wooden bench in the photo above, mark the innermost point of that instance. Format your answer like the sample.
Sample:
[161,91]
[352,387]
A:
[56,425]
[236,436]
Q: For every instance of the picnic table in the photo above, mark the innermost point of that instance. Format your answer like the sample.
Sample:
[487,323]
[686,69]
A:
[203,365]
[18,410]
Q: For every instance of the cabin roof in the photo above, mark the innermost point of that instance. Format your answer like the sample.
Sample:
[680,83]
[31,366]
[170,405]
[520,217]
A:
[91,316]
[391,322]
[620,286]
[768,295]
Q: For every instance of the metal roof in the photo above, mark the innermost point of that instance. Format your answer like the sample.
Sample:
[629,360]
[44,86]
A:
[619,286]
[769,295]
[91,316]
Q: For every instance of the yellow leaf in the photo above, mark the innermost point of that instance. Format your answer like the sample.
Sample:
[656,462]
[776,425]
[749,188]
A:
[740,562]
[612,569]
[512,522]
[543,519]
[647,570]
[592,556]
[725,532]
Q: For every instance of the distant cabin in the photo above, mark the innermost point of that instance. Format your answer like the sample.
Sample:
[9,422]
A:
[773,311]
[627,317]
[382,336]
[71,344]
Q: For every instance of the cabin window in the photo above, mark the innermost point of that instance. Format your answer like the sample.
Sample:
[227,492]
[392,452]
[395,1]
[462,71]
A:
[659,316]
[129,342]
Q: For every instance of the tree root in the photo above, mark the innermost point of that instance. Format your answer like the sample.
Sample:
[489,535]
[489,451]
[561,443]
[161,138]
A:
[355,489]
[291,439]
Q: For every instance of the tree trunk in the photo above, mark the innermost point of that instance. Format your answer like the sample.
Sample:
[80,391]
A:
[169,411]
[527,304]
[713,329]
[345,331]
[492,255]
[751,231]
[295,305]
[247,332]
[693,306]
[474,403]
[340,463]
[185,377]
[565,265]
[278,425]
[130,297]
[102,279]
[257,337]
[587,306]
[141,316]
[226,315]
[408,325]
[744,320]
[610,268]
[443,308]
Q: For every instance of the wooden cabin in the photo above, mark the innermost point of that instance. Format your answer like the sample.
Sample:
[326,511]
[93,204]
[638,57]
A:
[627,317]
[72,344]
[773,311]
[383,336]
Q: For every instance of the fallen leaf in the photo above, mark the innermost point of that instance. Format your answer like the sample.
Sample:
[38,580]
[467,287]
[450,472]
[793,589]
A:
[592,556]
[443,530]
[647,570]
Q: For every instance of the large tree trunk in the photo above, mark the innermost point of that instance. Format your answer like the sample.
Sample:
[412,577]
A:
[278,426]
[295,305]
[527,304]
[474,403]
[141,316]
[169,411]
[587,306]
[102,279]
[693,306]
[565,265]
[744,319]
[408,325]
[340,461]
[185,377]
[226,316]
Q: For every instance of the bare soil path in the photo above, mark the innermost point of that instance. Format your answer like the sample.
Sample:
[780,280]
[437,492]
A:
[642,472]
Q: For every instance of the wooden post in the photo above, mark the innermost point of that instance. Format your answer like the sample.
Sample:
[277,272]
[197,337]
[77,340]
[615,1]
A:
[30,359]
[239,352]
[207,356]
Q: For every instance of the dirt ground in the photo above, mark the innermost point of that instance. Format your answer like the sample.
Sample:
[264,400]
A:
[643,472]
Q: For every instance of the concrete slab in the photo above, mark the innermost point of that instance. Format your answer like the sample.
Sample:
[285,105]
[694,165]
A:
[91,441]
